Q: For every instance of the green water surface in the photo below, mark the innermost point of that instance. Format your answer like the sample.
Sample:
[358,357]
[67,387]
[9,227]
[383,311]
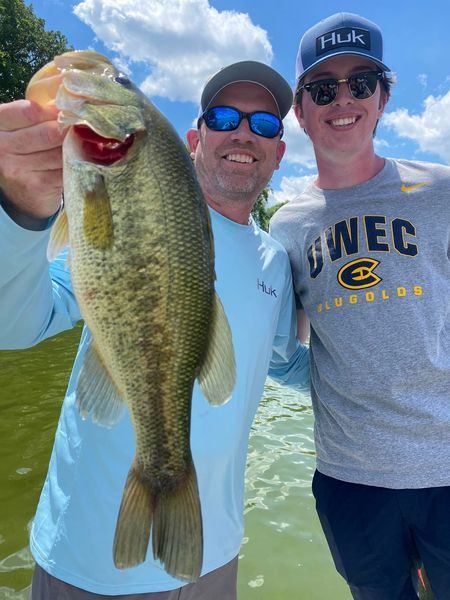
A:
[284,555]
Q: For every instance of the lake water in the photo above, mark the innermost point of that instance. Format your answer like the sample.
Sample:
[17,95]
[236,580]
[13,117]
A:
[284,555]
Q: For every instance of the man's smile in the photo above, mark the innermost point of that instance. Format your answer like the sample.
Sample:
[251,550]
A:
[343,121]
[240,158]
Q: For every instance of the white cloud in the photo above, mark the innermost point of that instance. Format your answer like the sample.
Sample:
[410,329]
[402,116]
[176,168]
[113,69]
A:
[299,149]
[121,64]
[430,130]
[182,42]
[422,78]
[290,188]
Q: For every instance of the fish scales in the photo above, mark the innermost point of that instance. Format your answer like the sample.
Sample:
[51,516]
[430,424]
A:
[171,284]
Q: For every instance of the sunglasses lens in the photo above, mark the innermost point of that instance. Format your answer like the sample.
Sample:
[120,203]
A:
[265,124]
[324,92]
[222,118]
[363,85]
[227,118]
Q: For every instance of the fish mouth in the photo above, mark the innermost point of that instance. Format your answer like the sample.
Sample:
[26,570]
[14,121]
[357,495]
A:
[93,111]
[101,150]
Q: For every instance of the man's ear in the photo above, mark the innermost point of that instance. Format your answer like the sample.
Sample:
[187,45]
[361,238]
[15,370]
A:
[281,148]
[192,140]
[299,114]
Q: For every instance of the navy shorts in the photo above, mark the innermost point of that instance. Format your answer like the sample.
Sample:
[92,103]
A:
[378,537]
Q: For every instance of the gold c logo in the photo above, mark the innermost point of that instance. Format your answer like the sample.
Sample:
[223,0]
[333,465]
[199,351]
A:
[359,274]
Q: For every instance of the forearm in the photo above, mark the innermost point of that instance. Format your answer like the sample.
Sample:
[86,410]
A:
[34,303]
[303,328]
[26,221]
[292,371]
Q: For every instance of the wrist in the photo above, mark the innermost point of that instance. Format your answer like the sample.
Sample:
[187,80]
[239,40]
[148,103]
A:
[23,219]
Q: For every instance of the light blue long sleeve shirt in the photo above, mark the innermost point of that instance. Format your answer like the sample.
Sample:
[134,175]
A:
[73,530]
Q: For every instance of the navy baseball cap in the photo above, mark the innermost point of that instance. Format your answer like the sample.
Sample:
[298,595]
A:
[249,71]
[342,33]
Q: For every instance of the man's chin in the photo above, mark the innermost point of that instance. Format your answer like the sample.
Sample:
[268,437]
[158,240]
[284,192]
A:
[237,187]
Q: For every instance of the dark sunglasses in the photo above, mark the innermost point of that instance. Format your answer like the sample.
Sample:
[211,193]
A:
[360,86]
[228,118]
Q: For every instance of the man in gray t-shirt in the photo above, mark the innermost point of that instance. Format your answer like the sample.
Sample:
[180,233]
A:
[369,244]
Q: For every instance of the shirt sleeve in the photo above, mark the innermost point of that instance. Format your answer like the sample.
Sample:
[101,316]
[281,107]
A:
[278,232]
[289,364]
[36,299]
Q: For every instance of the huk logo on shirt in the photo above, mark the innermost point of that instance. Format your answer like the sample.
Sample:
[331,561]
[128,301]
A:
[344,36]
[269,290]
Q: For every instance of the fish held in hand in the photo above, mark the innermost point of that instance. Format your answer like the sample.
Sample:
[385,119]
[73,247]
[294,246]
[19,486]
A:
[142,266]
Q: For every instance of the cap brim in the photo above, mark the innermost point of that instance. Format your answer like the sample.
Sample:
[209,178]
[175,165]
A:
[382,66]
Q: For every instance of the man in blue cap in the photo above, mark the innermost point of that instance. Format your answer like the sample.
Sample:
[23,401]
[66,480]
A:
[369,244]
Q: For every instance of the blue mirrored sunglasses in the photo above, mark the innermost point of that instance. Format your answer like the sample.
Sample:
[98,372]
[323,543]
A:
[228,118]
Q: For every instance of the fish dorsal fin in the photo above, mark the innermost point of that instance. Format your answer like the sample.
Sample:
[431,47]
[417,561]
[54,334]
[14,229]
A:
[96,393]
[218,372]
[59,236]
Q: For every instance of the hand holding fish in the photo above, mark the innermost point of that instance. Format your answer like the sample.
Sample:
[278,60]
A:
[30,161]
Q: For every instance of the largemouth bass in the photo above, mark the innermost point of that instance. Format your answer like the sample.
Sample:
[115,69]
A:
[142,267]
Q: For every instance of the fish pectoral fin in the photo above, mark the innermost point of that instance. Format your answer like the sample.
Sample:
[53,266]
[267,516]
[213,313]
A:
[98,226]
[134,522]
[96,393]
[178,530]
[218,373]
[59,236]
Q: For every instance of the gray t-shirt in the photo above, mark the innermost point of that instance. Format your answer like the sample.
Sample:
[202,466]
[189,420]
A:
[371,267]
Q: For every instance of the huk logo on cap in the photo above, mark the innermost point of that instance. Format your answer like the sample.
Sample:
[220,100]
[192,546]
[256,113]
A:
[344,36]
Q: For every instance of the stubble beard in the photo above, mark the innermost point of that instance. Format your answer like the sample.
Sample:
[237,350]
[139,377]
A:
[237,188]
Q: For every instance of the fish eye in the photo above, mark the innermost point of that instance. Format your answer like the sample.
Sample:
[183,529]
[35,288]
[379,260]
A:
[123,80]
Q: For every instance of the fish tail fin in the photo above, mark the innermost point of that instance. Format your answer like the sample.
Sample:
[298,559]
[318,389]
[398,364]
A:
[134,522]
[178,531]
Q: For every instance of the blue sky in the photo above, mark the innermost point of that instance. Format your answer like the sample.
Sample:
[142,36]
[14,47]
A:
[170,48]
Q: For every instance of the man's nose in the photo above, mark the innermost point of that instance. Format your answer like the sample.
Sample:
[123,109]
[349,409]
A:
[243,132]
[343,95]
